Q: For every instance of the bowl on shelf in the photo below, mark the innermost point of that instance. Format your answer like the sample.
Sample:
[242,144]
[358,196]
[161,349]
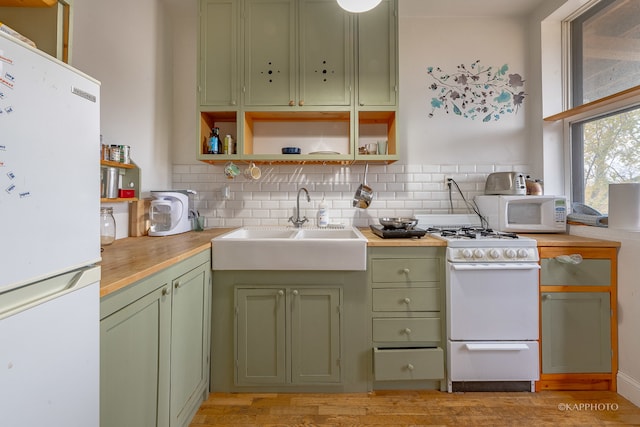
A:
[291,150]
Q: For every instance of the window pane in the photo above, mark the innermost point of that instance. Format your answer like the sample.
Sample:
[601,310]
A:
[606,50]
[610,151]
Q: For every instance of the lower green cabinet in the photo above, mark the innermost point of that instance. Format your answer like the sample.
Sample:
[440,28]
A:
[134,354]
[576,332]
[154,347]
[407,317]
[578,311]
[288,335]
[288,331]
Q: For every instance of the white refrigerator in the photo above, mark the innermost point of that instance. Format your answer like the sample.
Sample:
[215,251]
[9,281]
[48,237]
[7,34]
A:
[49,241]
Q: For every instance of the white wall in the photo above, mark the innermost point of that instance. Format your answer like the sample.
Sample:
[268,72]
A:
[430,149]
[124,45]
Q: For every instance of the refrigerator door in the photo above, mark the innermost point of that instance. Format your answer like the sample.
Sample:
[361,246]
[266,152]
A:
[49,352]
[49,166]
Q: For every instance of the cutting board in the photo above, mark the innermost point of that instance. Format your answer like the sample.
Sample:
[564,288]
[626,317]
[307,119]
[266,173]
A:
[139,217]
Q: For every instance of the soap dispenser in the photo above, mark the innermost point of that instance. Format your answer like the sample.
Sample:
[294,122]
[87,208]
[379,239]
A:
[323,214]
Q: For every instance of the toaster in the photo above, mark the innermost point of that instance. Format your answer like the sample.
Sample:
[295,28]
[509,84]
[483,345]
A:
[506,183]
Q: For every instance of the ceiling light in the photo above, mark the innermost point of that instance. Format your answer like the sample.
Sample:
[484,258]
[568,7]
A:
[357,6]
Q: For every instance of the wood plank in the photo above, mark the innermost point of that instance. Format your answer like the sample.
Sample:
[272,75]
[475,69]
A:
[594,105]
[27,3]
[415,407]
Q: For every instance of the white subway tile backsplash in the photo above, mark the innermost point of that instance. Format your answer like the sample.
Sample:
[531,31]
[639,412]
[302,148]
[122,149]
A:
[399,190]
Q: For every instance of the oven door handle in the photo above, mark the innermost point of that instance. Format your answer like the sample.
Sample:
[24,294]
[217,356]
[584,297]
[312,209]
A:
[497,347]
[495,266]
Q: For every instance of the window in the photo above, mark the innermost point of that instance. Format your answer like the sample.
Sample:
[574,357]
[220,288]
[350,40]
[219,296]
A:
[605,60]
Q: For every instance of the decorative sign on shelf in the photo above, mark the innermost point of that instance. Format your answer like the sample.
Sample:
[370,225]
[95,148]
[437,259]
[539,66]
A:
[476,92]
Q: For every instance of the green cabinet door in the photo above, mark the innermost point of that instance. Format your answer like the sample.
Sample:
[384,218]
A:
[190,321]
[576,332]
[288,335]
[218,68]
[325,66]
[315,335]
[134,356]
[269,52]
[377,56]
[297,53]
[154,347]
[260,336]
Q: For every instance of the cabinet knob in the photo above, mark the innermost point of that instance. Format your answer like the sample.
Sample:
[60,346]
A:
[407,331]
[295,292]
[281,292]
[301,103]
[407,300]
[406,270]
[410,367]
[165,291]
[177,285]
[292,103]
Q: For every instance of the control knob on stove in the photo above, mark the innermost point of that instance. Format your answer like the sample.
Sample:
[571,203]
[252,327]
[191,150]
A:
[494,254]
[522,253]
[510,253]
[466,253]
[478,253]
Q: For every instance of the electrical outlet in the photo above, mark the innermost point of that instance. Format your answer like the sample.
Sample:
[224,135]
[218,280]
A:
[447,180]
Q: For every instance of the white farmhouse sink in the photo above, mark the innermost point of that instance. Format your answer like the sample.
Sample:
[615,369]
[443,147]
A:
[286,248]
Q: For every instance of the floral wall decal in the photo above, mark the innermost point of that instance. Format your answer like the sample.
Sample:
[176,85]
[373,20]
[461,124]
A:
[476,92]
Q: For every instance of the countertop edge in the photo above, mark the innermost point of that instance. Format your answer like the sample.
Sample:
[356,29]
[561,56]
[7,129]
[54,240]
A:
[129,260]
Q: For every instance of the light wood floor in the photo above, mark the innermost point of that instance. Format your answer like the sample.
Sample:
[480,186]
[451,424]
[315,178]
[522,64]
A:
[418,408]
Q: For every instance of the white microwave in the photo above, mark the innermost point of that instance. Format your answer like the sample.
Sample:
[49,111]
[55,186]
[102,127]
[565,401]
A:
[524,214]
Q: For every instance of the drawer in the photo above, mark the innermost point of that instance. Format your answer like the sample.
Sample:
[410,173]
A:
[493,361]
[406,329]
[589,272]
[408,364]
[405,300]
[405,270]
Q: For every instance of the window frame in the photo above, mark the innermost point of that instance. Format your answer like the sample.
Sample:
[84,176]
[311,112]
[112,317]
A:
[579,113]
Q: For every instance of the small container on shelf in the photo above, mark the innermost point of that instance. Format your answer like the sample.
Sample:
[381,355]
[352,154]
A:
[126,193]
[107,226]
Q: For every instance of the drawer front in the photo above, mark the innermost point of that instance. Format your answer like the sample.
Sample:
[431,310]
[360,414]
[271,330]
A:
[493,361]
[404,270]
[408,364]
[405,300]
[588,272]
[406,330]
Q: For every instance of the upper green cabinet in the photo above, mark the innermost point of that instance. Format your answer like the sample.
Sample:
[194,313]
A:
[219,43]
[377,56]
[276,73]
[297,53]
[269,55]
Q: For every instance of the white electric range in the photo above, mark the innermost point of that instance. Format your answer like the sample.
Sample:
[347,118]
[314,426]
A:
[491,305]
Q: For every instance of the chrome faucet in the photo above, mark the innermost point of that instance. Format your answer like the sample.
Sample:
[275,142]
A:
[297,222]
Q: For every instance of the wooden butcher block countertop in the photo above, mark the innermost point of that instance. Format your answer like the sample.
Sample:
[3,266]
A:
[131,259]
[573,241]
[427,240]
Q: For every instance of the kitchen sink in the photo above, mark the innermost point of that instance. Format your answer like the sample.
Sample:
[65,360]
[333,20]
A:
[287,248]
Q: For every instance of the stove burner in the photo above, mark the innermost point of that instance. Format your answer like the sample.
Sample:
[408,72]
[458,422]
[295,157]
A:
[471,233]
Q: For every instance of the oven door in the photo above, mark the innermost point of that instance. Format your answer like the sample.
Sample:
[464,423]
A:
[492,301]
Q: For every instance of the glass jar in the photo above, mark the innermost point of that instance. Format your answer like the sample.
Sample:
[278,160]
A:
[107,226]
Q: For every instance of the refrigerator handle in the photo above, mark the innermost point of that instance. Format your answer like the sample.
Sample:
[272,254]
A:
[29,296]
